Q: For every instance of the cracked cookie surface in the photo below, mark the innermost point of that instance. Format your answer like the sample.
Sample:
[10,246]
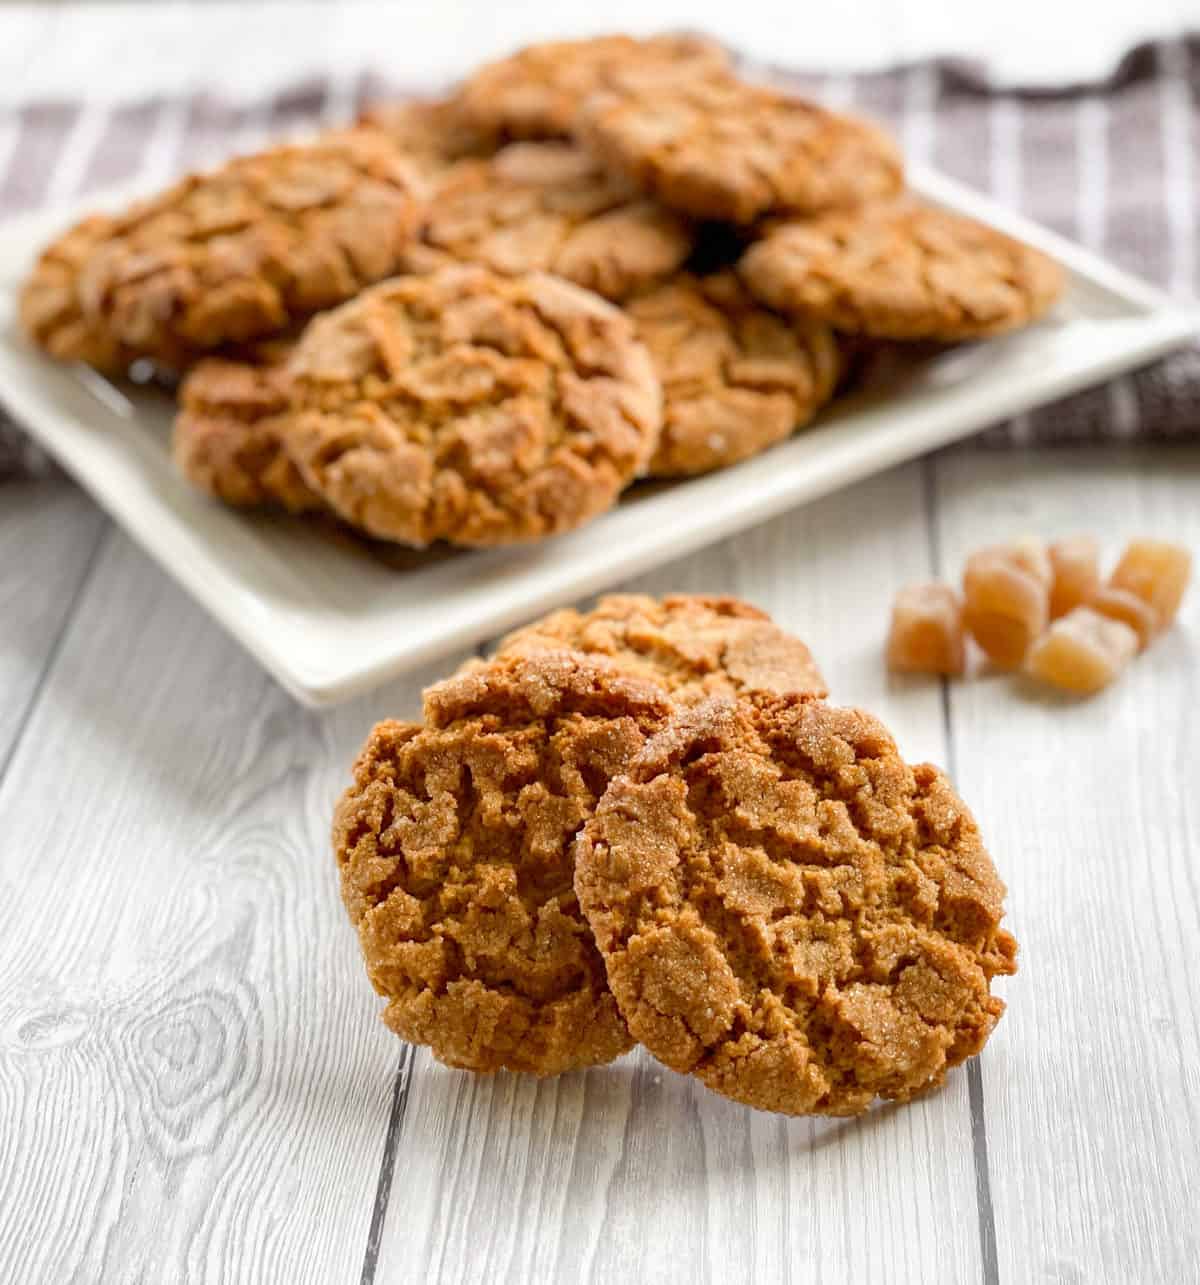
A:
[718,148]
[551,207]
[790,912]
[227,256]
[49,307]
[692,645]
[736,377]
[471,407]
[454,846]
[902,270]
[228,438]
[537,92]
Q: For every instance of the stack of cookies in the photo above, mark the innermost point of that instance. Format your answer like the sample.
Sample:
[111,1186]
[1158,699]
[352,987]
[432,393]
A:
[477,320]
[644,823]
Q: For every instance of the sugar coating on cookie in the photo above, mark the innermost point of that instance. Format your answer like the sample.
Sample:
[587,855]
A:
[551,207]
[537,92]
[902,270]
[455,850]
[473,408]
[737,377]
[228,438]
[719,148]
[234,254]
[693,645]
[427,131]
[792,913]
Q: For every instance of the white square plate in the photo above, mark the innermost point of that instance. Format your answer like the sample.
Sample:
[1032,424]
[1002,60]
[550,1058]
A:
[330,619]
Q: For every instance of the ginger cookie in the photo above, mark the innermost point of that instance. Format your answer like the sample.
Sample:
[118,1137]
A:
[231,255]
[551,207]
[473,408]
[790,912]
[50,309]
[455,850]
[537,92]
[229,434]
[718,148]
[902,270]
[736,377]
[692,645]
[427,131]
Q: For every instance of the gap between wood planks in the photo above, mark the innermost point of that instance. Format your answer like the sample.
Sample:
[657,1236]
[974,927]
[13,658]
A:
[983,1182]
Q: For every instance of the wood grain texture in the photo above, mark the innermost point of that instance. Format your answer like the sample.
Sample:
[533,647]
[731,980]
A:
[1091,811]
[630,1172]
[193,1082]
[49,533]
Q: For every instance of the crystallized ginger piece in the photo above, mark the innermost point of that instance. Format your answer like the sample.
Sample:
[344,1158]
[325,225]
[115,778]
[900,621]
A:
[1082,652]
[1006,595]
[1158,572]
[1030,553]
[1075,562]
[1129,609]
[927,634]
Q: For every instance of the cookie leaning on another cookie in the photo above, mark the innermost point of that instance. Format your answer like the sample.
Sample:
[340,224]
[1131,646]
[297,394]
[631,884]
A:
[454,845]
[473,408]
[736,377]
[790,912]
[537,92]
[228,256]
[692,645]
[551,207]
[902,270]
[718,148]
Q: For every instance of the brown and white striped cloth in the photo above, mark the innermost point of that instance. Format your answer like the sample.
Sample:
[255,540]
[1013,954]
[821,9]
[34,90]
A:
[1114,165]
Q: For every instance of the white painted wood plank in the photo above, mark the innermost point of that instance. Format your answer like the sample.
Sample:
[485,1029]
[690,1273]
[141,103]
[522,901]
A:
[630,1172]
[49,531]
[1090,807]
[193,1081]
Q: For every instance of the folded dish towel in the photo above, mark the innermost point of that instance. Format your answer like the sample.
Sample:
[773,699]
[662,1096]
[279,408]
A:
[1114,165]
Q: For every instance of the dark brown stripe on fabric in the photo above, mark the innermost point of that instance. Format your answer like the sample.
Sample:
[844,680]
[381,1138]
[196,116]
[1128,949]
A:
[1050,165]
[210,132]
[963,145]
[121,151]
[42,131]
[300,107]
[1136,236]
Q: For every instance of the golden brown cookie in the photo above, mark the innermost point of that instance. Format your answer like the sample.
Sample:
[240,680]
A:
[790,912]
[551,207]
[454,845]
[50,309]
[231,255]
[536,92]
[902,270]
[736,377]
[428,131]
[718,148]
[473,408]
[229,434]
[693,645]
